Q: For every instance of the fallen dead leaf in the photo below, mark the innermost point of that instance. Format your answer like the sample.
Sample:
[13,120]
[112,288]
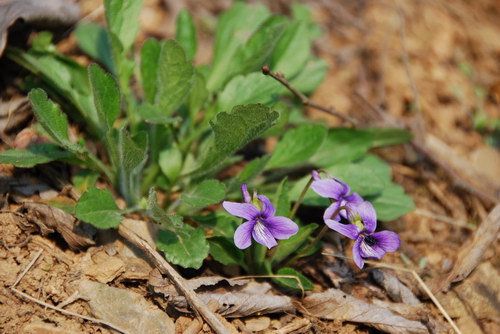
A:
[125,308]
[50,219]
[258,324]
[334,304]
[48,13]
[397,291]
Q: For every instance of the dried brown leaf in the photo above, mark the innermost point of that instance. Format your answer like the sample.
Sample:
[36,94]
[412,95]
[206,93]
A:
[397,291]
[334,304]
[471,254]
[240,304]
[47,13]
[125,308]
[50,219]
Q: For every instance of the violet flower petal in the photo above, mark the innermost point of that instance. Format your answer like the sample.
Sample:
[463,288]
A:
[368,214]
[243,210]
[268,209]
[330,210]
[263,236]
[349,230]
[281,227]
[370,249]
[389,241]
[315,175]
[356,255]
[246,195]
[243,235]
[329,188]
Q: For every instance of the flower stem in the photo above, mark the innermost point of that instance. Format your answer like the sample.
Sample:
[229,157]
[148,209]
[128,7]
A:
[315,240]
[301,197]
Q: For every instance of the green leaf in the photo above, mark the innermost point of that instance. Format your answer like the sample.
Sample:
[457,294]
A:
[150,55]
[292,283]
[292,50]
[33,155]
[171,222]
[98,208]
[251,56]
[286,247]
[219,222]
[132,155]
[170,161]
[233,130]
[123,21]
[281,198]
[206,193]
[392,202]
[342,145]
[389,136]
[155,115]
[279,128]
[250,88]
[312,75]
[94,41]
[106,96]
[186,247]
[185,33]
[359,176]
[233,29]
[181,243]
[253,169]
[297,145]
[224,251]
[197,97]
[175,77]
[52,120]
[84,179]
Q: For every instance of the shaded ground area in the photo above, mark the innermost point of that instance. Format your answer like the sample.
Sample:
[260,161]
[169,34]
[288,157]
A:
[431,66]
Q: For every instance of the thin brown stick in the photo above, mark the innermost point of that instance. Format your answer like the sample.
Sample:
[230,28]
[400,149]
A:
[52,307]
[177,279]
[304,99]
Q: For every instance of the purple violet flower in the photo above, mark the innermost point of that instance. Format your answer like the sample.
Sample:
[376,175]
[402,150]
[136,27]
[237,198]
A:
[262,224]
[338,191]
[368,244]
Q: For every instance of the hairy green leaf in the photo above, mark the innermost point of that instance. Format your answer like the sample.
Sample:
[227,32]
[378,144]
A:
[185,33]
[150,56]
[233,130]
[122,17]
[175,77]
[297,145]
[33,155]
[52,120]
[98,208]
[94,41]
[106,96]
[206,193]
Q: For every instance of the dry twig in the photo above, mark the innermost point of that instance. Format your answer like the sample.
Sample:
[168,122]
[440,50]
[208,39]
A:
[304,99]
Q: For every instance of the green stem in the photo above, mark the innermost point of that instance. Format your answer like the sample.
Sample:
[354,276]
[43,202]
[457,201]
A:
[102,167]
[315,240]
[301,197]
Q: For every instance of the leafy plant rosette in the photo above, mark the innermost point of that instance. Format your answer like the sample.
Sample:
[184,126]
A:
[166,123]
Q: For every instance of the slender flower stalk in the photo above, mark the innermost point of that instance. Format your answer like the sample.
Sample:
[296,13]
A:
[262,225]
